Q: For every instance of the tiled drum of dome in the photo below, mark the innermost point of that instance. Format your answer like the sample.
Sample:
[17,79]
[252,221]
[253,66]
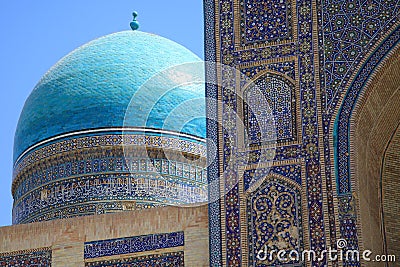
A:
[61,188]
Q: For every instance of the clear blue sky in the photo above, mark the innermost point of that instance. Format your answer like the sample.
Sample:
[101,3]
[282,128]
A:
[36,34]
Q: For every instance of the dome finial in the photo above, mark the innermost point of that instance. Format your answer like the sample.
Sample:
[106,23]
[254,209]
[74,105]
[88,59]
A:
[134,24]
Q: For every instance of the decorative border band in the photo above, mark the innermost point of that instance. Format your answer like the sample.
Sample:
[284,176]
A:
[175,259]
[134,244]
[109,140]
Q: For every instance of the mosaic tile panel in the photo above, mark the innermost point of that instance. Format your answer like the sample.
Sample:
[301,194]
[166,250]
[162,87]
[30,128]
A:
[348,32]
[174,259]
[334,36]
[213,171]
[27,258]
[275,222]
[280,95]
[127,245]
[350,29]
[287,68]
[343,119]
[91,175]
[265,21]
[292,172]
[347,214]
[308,113]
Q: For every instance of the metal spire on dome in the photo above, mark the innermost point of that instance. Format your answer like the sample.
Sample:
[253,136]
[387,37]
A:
[134,23]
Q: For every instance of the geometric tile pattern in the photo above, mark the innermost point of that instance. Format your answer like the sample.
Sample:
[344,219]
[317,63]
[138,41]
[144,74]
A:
[343,121]
[292,172]
[286,67]
[229,53]
[354,36]
[106,140]
[334,36]
[214,208]
[173,259]
[265,21]
[350,28]
[280,96]
[27,258]
[232,226]
[110,162]
[126,245]
[347,214]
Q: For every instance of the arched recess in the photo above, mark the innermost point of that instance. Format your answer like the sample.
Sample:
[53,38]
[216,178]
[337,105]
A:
[373,122]
[280,93]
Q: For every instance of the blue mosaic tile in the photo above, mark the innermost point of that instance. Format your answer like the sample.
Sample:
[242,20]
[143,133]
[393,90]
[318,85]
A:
[76,183]
[274,222]
[134,244]
[173,259]
[265,21]
[280,96]
[27,258]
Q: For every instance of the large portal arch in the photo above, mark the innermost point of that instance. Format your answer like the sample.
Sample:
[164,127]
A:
[374,122]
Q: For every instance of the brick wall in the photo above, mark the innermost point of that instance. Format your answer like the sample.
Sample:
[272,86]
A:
[374,121]
[67,237]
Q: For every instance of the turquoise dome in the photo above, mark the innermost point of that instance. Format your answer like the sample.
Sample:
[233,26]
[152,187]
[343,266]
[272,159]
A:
[92,87]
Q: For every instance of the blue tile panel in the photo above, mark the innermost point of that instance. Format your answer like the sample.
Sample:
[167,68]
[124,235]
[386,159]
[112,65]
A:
[45,203]
[280,95]
[173,259]
[274,220]
[109,164]
[126,245]
[347,41]
[342,123]
[27,258]
[269,21]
